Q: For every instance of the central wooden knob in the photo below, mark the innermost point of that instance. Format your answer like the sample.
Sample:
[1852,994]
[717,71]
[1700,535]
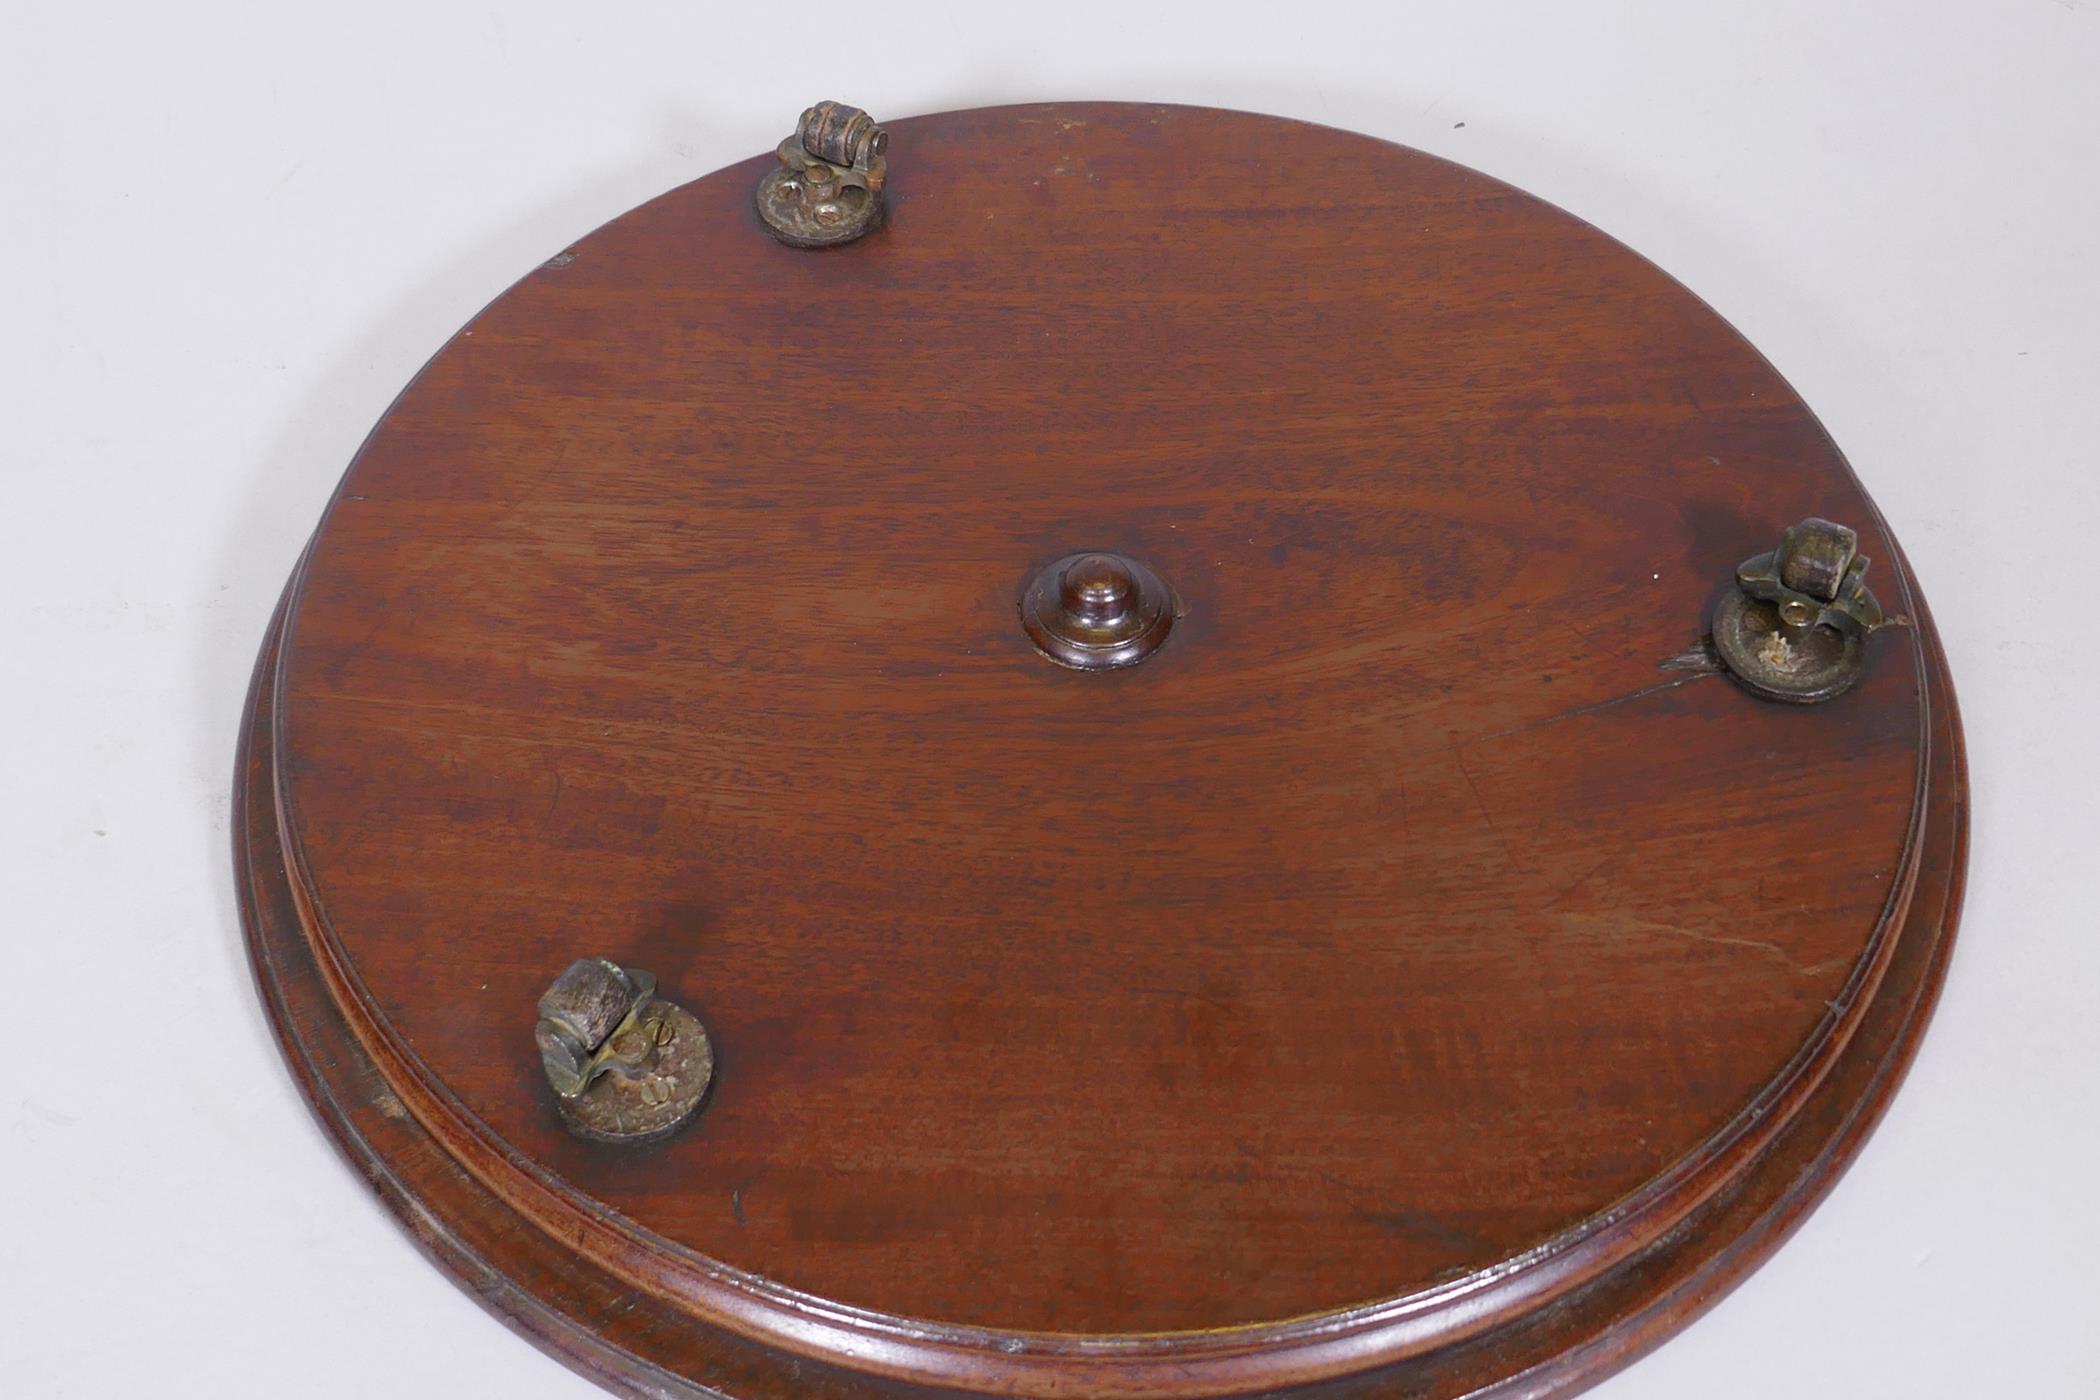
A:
[1097,612]
[1098,589]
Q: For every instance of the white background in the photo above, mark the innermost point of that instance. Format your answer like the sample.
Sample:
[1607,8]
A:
[230,232]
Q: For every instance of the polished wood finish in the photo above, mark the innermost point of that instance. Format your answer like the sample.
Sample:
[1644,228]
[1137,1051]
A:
[1421,975]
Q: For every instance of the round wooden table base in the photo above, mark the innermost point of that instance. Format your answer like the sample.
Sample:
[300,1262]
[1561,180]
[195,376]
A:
[1153,708]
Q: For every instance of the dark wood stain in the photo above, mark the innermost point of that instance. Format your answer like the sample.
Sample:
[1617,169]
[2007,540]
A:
[1401,918]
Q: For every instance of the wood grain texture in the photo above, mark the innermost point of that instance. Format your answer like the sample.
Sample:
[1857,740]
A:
[1400,979]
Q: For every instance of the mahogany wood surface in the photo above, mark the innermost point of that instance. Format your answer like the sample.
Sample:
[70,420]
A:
[1413,978]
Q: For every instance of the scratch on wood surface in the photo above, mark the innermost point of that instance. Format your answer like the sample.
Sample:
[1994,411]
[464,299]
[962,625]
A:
[1389,1214]
[1508,852]
[1184,993]
[1696,658]
[1725,940]
[1579,711]
[1762,945]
